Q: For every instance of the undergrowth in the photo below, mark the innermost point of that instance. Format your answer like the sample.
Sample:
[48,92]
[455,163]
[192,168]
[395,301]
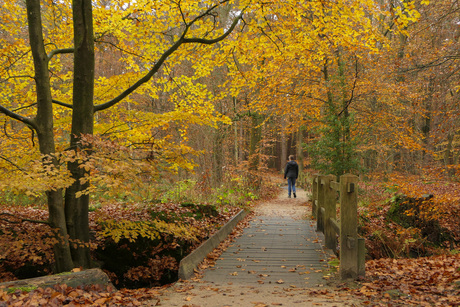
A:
[137,241]
[409,218]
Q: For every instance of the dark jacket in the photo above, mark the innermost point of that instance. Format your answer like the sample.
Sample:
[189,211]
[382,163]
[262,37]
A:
[291,170]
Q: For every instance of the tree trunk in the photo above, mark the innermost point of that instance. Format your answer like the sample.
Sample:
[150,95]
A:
[235,135]
[76,208]
[448,155]
[284,154]
[71,279]
[256,135]
[218,156]
[299,154]
[44,120]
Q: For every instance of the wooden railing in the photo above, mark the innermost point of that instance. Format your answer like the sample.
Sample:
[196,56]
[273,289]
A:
[325,191]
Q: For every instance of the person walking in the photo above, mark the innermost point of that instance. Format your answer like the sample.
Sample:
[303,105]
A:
[291,172]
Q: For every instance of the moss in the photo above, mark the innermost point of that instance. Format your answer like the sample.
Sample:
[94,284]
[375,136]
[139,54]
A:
[22,289]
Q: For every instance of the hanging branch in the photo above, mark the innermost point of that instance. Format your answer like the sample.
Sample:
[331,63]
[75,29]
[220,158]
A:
[352,90]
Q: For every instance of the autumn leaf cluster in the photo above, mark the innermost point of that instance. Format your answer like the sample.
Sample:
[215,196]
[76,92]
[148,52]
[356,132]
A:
[89,295]
[409,218]
[426,281]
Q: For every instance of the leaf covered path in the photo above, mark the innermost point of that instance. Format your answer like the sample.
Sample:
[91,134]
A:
[272,250]
[277,261]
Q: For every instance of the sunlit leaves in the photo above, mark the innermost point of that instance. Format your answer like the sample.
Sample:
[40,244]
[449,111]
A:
[131,230]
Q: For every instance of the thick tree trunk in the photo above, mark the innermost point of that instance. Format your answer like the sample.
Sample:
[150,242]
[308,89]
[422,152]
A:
[82,123]
[45,133]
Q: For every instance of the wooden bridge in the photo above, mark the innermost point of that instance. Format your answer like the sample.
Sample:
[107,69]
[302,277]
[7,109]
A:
[282,250]
[273,250]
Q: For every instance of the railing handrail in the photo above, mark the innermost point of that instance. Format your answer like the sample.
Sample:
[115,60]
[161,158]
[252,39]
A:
[324,200]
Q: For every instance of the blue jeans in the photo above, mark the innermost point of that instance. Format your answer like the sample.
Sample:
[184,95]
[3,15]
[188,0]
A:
[291,185]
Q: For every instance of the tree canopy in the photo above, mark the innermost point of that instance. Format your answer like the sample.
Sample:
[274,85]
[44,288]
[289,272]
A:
[104,96]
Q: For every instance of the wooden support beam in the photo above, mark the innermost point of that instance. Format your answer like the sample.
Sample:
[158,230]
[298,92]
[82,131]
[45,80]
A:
[349,225]
[329,212]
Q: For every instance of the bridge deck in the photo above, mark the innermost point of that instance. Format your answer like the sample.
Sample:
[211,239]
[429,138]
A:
[272,251]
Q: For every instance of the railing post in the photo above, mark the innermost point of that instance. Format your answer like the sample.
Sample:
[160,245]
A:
[349,225]
[314,196]
[329,212]
[319,214]
[361,257]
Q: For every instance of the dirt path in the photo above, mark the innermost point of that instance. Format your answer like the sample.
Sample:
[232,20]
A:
[197,293]
[295,208]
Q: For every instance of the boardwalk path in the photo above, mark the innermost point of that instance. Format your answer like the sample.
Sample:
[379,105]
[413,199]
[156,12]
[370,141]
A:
[278,261]
[276,248]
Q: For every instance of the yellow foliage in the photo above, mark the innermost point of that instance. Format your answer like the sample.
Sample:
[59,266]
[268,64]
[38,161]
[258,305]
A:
[131,230]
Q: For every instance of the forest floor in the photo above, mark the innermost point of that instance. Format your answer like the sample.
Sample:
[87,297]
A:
[397,281]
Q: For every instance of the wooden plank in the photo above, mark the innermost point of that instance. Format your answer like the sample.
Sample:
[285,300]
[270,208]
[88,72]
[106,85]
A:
[319,217]
[314,197]
[188,264]
[335,185]
[361,257]
[329,212]
[335,226]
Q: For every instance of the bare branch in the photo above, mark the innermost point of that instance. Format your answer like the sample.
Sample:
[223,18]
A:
[12,163]
[13,115]
[352,90]
[165,55]
[25,107]
[63,104]
[21,219]
[217,39]
[59,51]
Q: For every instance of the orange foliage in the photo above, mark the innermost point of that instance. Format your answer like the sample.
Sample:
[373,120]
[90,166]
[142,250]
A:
[398,222]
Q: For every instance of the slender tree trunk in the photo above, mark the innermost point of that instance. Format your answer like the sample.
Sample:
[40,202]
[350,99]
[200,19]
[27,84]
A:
[235,135]
[448,155]
[299,154]
[45,123]
[218,156]
[256,135]
[284,153]
[82,123]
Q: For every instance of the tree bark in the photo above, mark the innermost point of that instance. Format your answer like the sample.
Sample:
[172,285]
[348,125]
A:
[448,155]
[299,154]
[218,156]
[44,126]
[76,208]
[255,137]
[284,152]
[71,279]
